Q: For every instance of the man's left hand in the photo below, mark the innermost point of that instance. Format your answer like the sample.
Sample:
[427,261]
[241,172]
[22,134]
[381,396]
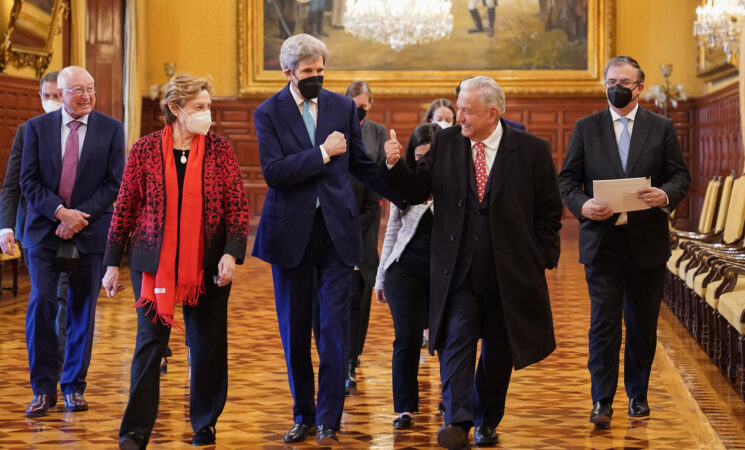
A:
[652,196]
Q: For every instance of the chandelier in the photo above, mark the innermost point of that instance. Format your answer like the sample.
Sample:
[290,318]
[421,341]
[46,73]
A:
[399,23]
[718,25]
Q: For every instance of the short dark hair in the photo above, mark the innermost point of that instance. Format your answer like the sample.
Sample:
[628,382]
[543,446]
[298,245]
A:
[423,134]
[50,77]
[358,88]
[621,60]
[437,104]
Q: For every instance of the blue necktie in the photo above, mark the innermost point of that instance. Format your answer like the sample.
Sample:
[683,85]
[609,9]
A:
[624,141]
[309,124]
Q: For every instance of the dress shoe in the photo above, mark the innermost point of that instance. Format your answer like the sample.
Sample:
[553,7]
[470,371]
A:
[453,436]
[205,436]
[638,408]
[132,441]
[485,435]
[40,404]
[601,414]
[350,384]
[75,402]
[163,365]
[299,432]
[403,422]
[326,436]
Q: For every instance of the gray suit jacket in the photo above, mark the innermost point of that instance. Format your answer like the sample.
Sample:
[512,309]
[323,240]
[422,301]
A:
[12,202]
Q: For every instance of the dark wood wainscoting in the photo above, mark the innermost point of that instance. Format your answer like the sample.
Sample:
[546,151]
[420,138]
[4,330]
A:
[19,101]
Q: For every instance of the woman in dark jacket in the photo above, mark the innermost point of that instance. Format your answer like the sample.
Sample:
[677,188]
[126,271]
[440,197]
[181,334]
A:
[183,205]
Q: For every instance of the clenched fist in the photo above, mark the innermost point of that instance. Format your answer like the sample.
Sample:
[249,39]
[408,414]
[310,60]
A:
[335,144]
[392,149]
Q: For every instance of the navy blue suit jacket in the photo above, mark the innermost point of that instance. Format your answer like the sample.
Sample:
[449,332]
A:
[293,169]
[97,178]
[515,125]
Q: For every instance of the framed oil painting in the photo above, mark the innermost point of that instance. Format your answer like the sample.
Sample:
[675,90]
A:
[538,47]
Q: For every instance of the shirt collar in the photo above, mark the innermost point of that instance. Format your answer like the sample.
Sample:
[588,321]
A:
[67,118]
[492,142]
[631,115]
[298,99]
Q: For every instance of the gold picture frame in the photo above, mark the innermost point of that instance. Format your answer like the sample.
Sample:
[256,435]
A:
[256,80]
[712,64]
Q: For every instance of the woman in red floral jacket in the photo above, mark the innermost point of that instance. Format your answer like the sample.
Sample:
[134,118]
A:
[183,210]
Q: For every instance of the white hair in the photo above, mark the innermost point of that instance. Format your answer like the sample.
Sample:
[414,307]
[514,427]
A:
[69,72]
[301,47]
[492,96]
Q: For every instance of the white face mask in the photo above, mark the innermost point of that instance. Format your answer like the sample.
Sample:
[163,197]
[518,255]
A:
[51,105]
[198,123]
[444,124]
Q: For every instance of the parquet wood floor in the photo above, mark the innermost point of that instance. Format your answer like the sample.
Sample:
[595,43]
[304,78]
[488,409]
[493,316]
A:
[548,405]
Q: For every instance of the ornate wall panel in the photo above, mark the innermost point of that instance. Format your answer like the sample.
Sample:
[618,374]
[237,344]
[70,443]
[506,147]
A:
[19,101]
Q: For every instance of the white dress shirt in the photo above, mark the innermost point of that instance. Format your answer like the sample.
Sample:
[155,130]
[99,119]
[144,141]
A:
[491,144]
[67,118]
[313,108]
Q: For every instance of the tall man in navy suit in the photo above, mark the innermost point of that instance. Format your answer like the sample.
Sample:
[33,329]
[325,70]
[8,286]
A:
[624,254]
[71,168]
[309,143]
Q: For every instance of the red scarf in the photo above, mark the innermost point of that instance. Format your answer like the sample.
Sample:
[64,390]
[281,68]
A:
[162,290]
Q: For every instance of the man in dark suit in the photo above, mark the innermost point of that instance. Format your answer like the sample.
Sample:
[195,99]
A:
[496,229]
[513,124]
[309,143]
[13,205]
[71,168]
[624,254]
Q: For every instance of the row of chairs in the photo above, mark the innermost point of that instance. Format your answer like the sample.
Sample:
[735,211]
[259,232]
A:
[705,280]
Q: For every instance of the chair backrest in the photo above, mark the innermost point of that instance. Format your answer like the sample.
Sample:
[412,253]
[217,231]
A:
[735,212]
[709,205]
[724,202]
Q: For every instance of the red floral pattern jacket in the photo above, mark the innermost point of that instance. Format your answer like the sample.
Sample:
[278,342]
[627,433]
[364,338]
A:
[140,211]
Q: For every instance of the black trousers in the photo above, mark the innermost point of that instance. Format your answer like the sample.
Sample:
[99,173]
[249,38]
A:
[360,297]
[207,333]
[407,290]
[473,312]
[620,289]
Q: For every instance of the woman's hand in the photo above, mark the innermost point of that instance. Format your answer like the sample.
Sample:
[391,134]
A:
[380,295]
[111,281]
[225,270]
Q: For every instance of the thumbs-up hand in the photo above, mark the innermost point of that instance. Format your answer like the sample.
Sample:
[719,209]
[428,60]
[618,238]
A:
[392,149]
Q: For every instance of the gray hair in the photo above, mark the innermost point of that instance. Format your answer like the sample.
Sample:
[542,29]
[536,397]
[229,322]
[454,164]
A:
[301,47]
[68,72]
[492,96]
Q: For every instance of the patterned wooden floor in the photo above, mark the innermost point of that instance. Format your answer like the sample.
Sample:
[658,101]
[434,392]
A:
[548,404]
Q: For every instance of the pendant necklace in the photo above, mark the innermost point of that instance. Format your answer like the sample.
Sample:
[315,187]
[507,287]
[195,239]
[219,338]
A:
[183,157]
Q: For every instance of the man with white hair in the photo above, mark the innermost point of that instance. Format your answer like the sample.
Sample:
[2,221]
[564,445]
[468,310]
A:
[309,143]
[495,231]
[71,168]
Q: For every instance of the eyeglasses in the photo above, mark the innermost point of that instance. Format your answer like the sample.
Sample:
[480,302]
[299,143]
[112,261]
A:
[90,90]
[624,83]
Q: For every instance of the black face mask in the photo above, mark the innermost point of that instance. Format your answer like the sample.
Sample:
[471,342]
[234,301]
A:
[361,113]
[310,87]
[619,96]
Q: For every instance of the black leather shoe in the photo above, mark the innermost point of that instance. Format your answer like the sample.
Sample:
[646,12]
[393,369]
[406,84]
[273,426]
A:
[638,408]
[132,441]
[453,436]
[403,422]
[485,435]
[299,432]
[75,402]
[205,436]
[40,404]
[601,414]
[326,436]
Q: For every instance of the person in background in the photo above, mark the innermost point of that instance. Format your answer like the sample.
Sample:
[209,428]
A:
[442,112]
[13,206]
[374,136]
[402,282]
[70,173]
[624,253]
[183,210]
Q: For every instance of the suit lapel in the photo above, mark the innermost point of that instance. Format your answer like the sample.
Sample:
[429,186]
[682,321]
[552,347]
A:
[324,117]
[502,162]
[294,118]
[55,136]
[462,157]
[608,142]
[638,137]
[89,143]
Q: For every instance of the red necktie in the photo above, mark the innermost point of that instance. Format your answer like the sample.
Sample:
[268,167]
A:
[479,165]
[69,163]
